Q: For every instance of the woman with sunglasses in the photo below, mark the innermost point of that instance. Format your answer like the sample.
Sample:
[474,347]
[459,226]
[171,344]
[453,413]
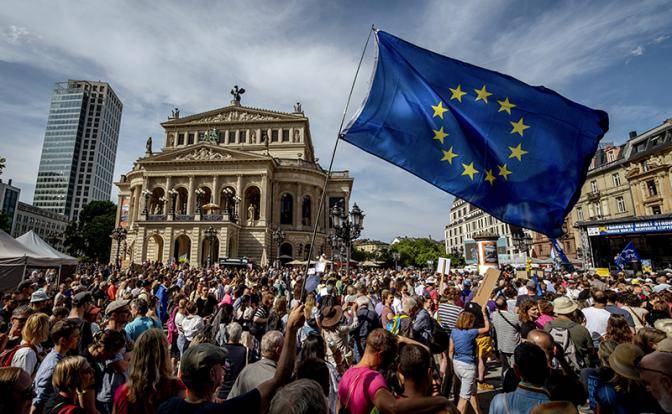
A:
[72,377]
[16,389]
[150,381]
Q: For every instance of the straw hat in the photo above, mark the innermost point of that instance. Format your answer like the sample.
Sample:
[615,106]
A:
[563,305]
[622,360]
[665,345]
[664,325]
[330,316]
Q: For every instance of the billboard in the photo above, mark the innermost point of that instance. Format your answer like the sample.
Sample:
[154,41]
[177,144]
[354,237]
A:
[123,216]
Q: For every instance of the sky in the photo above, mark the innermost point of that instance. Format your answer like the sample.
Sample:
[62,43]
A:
[610,55]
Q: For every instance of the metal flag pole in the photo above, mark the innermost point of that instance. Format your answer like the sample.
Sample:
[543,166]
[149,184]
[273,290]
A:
[331,164]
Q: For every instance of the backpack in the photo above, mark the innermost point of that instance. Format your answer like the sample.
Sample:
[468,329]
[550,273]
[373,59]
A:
[395,324]
[562,338]
[440,338]
[7,355]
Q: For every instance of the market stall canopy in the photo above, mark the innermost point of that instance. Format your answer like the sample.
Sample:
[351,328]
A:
[370,263]
[36,244]
[14,258]
[297,263]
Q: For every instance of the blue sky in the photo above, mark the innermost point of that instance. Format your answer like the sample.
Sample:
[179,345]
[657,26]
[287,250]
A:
[611,55]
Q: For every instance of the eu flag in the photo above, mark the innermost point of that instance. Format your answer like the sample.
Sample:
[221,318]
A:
[518,152]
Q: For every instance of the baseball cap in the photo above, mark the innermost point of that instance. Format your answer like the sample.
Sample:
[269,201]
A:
[81,298]
[115,306]
[198,358]
[39,296]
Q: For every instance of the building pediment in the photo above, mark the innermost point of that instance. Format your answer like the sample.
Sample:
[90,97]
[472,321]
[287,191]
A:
[203,152]
[234,115]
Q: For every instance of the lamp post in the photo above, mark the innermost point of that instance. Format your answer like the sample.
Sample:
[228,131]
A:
[210,235]
[146,194]
[228,197]
[199,194]
[396,256]
[278,237]
[119,235]
[347,227]
[173,199]
[523,242]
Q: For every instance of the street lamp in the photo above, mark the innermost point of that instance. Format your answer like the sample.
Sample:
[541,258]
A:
[146,194]
[347,227]
[396,256]
[173,198]
[522,241]
[210,235]
[278,237]
[199,193]
[119,235]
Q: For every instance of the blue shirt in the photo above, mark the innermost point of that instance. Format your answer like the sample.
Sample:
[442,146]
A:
[42,381]
[519,401]
[139,325]
[465,345]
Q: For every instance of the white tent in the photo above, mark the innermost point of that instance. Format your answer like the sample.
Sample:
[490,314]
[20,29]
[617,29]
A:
[14,259]
[36,244]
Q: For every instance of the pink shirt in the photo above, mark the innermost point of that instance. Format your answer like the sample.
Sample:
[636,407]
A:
[361,384]
[543,320]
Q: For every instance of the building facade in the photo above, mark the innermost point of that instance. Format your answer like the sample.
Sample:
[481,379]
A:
[627,197]
[222,182]
[467,221]
[9,202]
[370,246]
[48,225]
[80,147]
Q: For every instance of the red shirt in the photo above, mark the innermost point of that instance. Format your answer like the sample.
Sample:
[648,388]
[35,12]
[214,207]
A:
[112,292]
[167,388]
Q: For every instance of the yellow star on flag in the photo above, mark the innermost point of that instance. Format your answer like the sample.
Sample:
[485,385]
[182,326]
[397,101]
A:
[439,110]
[489,177]
[440,135]
[505,105]
[469,170]
[482,94]
[449,155]
[503,171]
[519,127]
[457,93]
[517,152]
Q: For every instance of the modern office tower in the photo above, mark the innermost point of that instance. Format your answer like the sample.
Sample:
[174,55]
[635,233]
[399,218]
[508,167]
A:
[80,147]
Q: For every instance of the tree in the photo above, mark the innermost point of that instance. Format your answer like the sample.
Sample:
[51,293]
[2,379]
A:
[417,252]
[89,237]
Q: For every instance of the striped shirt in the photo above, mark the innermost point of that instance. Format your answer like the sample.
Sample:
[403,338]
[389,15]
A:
[508,337]
[448,314]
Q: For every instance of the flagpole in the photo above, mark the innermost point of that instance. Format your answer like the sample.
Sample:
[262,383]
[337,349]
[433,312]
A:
[331,164]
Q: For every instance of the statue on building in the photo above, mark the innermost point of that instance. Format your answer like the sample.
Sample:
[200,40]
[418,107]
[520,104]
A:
[297,135]
[175,114]
[212,136]
[236,92]
[253,136]
[297,108]
[148,146]
[251,211]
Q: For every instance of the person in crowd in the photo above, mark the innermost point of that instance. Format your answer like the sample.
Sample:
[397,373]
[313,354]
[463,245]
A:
[82,303]
[421,329]
[264,369]
[597,316]
[202,372]
[484,343]
[150,381]
[633,305]
[449,309]
[336,333]
[363,387]
[303,396]
[573,339]
[530,365]
[618,330]
[65,336]
[528,312]
[462,351]
[614,299]
[314,349]
[545,313]
[655,370]
[530,294]
[647,338]
[386,310]
[415,371]
[73,378]
[106,346]
[367,322]
[33,334]
[238,357]
[39,301]
[16,390]
[507,331]
[141,322]
[190,325]
[19,317]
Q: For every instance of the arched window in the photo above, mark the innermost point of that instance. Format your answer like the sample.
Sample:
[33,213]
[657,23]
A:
[252,199]
[286,209]
[306,211]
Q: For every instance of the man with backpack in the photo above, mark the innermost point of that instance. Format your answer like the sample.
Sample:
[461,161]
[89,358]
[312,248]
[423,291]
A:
[573,338]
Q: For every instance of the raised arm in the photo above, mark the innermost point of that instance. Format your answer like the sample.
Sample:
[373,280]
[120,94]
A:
[486,320]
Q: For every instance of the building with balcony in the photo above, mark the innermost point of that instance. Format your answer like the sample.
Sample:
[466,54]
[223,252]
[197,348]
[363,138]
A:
[222,182]
[45,223]
[627,196]
[9,202]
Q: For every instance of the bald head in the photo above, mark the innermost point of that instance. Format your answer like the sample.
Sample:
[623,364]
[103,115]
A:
[656,373]
[543,340]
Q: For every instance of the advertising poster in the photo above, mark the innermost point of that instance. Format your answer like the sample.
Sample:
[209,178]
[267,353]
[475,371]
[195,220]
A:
[123,217]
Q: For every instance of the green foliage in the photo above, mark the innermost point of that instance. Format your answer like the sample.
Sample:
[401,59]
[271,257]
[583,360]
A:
[3,163]
[89,237]
[5,223]
[416,252]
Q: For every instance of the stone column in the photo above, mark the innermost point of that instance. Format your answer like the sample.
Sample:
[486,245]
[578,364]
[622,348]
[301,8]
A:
[190,196]
[263,199]
[166,195]
[195,254]
[297,208]
[215,190]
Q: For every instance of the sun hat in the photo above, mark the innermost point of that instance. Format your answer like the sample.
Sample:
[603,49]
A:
[115,306]
[622,360]
[39,296]
[330,316]
[430,280]
[563,305]
[664,325]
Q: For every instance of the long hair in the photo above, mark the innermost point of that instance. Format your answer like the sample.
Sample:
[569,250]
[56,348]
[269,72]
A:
[149,364]
[67,374]
[618,330]
[523,309]
[36,329]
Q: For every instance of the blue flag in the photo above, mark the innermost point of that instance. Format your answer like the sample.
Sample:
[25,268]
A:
[518,152]
[628,254]
[561,254]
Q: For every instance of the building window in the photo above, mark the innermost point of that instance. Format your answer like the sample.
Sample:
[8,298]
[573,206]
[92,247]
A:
[655,210]
[286,209]
[620,204]
[274,135]
[598,210]
[651,186]
[616,178]
[232,137]
[285,135]
[242,136]
[593,186]
[579,213]
[190,138]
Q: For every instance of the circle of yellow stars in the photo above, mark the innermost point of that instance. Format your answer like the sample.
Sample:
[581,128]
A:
[468,169]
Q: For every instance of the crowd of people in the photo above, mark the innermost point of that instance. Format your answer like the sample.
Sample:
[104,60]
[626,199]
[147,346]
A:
[173,339]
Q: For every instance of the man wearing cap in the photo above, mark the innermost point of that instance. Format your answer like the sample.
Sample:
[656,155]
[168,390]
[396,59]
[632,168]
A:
[203,367]
[39,301]
[655,371]
[578,334]
[82,303]
[141,321]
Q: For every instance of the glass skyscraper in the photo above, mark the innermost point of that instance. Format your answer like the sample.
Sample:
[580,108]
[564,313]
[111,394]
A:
[80,147]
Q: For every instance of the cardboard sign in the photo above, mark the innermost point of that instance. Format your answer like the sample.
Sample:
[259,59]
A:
[443,267]
[487,285]
[320,267]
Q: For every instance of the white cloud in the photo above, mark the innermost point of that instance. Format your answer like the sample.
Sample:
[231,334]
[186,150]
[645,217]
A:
[638,51]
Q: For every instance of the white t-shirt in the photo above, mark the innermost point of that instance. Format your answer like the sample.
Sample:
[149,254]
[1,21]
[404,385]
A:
[26,359]
[596,322]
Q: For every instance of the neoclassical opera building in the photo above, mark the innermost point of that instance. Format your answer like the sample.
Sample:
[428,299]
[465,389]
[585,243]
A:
[223,182]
